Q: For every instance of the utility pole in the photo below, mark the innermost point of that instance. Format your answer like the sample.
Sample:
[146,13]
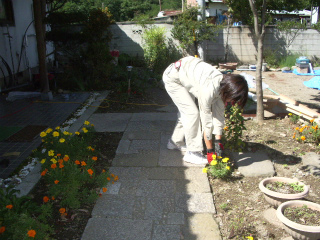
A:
[160,4]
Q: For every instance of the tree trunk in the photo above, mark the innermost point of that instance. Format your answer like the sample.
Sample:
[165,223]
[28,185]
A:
[259,33]
[41,44]
[260,111]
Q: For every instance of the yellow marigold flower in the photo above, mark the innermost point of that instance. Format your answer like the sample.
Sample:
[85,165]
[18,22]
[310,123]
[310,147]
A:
[92,125]
[204,170]
[55,134]
[57,128]
[315,127]
[65,133]
[228,167]
[219,157]
[62,140]
[303,138]
[312,120]
[297,128]
[213,162]
[214,157]
[226,128]
[86,122]
[43,134]
[290,114]
[301,129]
[32,233]
[84,130]
[51,153]
[53,160]
[104,189]
[77,133]
[43,161]
[49,130]
[225,160]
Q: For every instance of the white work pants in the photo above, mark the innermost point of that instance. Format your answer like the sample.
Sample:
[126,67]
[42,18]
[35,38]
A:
[188,123]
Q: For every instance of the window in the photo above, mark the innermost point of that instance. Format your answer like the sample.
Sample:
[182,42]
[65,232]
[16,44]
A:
[6,12]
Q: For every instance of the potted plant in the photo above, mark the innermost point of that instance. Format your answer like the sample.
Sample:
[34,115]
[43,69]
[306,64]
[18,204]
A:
[299,210]
[275,190]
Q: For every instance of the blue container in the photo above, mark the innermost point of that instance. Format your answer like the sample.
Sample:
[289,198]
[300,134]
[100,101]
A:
[302,60]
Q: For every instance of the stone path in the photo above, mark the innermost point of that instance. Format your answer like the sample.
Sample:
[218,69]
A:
[158,196]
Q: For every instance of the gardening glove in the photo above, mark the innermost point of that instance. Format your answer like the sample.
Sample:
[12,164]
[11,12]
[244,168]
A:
[218,147]
[210,154]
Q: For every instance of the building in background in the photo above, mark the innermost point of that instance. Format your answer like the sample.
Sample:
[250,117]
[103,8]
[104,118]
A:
[18,45]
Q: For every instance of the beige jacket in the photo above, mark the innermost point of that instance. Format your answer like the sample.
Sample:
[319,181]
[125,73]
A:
[203,81]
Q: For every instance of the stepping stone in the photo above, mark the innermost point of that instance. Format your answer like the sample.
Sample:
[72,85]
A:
[255,164]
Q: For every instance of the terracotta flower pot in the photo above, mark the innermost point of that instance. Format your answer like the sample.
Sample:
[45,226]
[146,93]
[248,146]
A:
[276,198]
[296,230]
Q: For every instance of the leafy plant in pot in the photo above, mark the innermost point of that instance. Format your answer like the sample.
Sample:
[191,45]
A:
[296,230]
[275,196]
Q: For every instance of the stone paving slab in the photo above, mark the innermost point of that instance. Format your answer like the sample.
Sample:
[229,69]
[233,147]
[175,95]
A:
[136,160]
[195,203]
[255,164]
[111,229]
[154,117]
[152,126]
[110,122]
[201,226]
[138,135]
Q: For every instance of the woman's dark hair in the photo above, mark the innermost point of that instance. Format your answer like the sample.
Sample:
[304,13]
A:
[234,89]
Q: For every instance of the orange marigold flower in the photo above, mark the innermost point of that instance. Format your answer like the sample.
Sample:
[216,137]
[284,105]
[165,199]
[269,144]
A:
[32,233]
[59,154]
[90,171]
[103,170]
[44,172]
[66,158]
[108,178]
[2,229]
[10,206]
[60,161]
[116,178]
[45,199]
[77,162]
[53,198]
[297,128]
[62,210]
[104,189]
[61,166]
[56,181]
[53,165]
[301,129]
[303,138]
[312,120]
[83,163]
[112,175]
[94,158]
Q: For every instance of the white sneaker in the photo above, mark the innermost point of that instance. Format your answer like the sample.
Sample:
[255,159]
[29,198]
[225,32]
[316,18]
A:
[195,158]
[173,146]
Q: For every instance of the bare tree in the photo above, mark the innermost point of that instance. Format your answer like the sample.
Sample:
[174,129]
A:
[259,31]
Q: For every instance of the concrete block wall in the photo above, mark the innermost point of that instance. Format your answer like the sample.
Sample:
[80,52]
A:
[127,38]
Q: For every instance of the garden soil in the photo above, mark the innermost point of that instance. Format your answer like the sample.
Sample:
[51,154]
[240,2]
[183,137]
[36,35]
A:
[240,204]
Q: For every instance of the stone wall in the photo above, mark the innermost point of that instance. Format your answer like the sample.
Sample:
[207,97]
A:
[239,40]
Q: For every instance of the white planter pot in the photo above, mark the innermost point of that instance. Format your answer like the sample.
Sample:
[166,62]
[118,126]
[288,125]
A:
[276,198]
[296,230]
